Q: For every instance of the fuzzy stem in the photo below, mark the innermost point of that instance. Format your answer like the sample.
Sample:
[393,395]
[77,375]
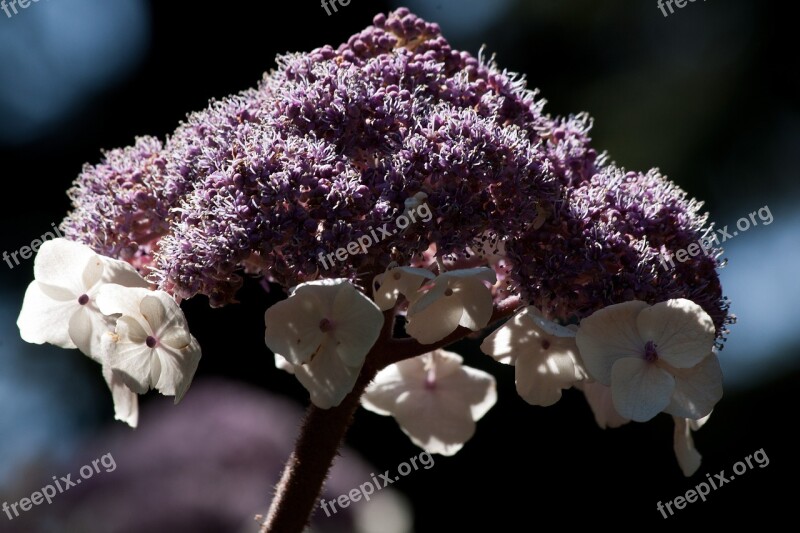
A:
[323,430]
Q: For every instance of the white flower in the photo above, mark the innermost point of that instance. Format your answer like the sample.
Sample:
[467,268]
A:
[683,444]
[655,358]
[457,298]
[59,306]
[388,287]
[324,330]
[598,396]
[542,352]
[151,346]
[434,398]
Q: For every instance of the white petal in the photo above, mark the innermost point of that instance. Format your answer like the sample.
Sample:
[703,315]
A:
[697,390]
[639,389]
[113,299]
[177,369]
[512,339]
[682,332]
[67,264]
[438,418]
[166,320]
[293,326]
[86,329]
[398,281]
[45,315]
[327,378]
[358,323]
[683,445]
[381,395]
[540,377]
[607,335]
[121,273]
[436,321]
[598,397]
[697,424]
[127,354]
[476,300]
[282,364]
[126,403]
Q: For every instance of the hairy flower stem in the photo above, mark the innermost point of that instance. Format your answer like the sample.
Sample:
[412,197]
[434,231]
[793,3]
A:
[323,430]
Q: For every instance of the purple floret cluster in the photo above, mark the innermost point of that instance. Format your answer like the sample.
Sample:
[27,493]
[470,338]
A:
[332,143]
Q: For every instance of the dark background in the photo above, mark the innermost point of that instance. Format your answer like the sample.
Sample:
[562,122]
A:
[708,94]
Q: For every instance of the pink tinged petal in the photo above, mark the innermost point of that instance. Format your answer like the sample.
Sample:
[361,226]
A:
[436,321]
[682,443]
[126,403]
[128,355]
[540,377]
[67,264]
[357,324]
[86,329]
[697,390]
[176,369]
[121,273]
[282,364]
[607,335]
[45,315]
[598,396]
[293,327]
[476,300]
[327,379]
[682,332]
[639,389]
[114,299]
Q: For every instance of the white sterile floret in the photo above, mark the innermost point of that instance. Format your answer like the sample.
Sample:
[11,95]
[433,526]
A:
[542,352]
[434,398]
[324,330]
[655,358]
[457,298]
[151,346]
[406,281]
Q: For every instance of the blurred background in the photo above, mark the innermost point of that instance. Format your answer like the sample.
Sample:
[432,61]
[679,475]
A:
[708,94]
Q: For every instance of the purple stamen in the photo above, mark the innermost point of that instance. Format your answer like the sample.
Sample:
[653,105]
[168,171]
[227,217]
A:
[83,299]
[650,353]
[151,341]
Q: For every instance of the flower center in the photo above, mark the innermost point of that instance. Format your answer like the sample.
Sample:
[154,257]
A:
[448,292]
[83,299]
[325,325]
[545,344]
[151,341]
[650,353]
